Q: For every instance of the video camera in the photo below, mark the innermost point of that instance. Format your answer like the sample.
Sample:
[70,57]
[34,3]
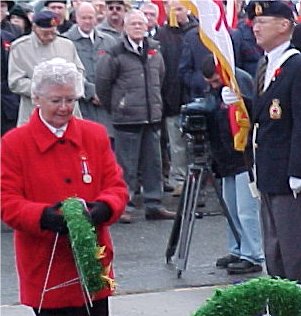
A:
[193,124]
[193,117]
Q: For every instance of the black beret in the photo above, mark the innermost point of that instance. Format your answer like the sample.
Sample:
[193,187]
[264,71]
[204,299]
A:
[115,1]
[50,1]
[276,8]
[10,4]
[46,19]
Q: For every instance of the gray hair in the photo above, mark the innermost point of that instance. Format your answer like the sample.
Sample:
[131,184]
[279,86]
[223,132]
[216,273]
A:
[134,12]
[56,71]
[150,5]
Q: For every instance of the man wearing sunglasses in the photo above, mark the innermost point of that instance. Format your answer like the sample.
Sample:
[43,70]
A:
[113,23]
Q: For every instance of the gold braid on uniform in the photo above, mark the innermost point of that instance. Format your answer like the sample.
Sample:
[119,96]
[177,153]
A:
[87,252]
[251,298]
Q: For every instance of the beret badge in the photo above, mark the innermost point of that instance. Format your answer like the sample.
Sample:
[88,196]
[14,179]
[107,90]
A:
[258,9]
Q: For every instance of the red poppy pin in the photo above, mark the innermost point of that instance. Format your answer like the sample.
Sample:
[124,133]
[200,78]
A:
[101,52]
[277,73]
[152,52]
[6,45]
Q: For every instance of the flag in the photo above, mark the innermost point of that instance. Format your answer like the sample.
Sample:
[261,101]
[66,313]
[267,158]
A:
[231,15]
[215,36]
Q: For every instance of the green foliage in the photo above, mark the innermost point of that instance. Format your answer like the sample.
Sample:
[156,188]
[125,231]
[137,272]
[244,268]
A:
[83,240]
[250,298]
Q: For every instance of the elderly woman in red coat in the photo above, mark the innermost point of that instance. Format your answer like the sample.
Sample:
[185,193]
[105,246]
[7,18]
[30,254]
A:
[53,157]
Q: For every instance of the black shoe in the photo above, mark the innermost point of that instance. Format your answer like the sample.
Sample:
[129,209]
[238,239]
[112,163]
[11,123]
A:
[160,214]
[223,262]
[244,266]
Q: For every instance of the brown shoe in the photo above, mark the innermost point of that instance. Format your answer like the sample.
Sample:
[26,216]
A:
[160,214]
[126,218]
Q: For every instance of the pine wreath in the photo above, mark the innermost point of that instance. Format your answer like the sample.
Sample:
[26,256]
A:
[87,252]
[251,297]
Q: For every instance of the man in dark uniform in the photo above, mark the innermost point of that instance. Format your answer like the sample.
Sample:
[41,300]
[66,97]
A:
[277,137]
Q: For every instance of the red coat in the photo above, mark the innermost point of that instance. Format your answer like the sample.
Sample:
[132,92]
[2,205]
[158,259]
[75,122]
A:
[38,169]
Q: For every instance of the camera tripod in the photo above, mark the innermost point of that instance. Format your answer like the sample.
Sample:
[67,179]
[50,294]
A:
[197,175]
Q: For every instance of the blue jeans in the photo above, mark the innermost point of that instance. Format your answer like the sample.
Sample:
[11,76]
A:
[244,210]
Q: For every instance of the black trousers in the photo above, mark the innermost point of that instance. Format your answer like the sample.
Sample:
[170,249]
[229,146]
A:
[100,308]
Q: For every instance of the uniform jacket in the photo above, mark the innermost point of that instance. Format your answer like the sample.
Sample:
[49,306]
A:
[130,84]
[279,136]
[26,52]
[171,43]
[88,53]
[38,170]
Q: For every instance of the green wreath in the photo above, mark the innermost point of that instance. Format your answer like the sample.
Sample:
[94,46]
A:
[87,252]
[250,299]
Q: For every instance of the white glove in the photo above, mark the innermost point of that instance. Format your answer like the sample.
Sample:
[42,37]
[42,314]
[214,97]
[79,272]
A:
[295,185]
[229,96]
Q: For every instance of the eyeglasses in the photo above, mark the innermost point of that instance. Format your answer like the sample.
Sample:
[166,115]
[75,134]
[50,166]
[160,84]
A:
[116,7]
[68,101]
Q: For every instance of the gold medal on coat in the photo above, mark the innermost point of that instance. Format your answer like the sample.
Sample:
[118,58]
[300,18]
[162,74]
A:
[275,110]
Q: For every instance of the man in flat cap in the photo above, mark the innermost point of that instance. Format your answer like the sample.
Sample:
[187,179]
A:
[277,137]
[29,50]
[59,7]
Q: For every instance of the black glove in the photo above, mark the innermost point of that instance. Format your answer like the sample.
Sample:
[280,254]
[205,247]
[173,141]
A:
[53,220]
[99,212]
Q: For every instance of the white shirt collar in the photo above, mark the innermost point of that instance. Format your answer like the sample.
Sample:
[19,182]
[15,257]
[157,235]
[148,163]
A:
[85,35]
[273,57]
[58,132]
[135,45]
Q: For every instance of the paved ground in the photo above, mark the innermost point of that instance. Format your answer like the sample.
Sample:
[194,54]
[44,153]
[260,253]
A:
[146,284]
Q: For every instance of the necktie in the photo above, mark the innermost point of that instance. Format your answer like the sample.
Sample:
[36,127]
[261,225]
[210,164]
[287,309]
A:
[140,50]
[261,75]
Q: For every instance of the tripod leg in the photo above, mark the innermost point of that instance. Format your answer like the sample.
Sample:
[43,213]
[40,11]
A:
[188,217]
[224,207]
[175,232]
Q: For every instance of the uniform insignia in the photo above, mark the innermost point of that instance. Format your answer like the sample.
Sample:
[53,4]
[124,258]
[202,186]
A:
[258,9]
[275,110]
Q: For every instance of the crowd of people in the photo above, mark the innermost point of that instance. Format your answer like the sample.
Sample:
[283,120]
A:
[65,70]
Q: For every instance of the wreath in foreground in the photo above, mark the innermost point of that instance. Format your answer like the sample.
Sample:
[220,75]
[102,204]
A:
[283,298]
[87,252]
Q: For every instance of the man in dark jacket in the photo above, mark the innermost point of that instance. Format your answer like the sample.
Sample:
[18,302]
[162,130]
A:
[171,41]
[128,82]
[9,100]
[246,256]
